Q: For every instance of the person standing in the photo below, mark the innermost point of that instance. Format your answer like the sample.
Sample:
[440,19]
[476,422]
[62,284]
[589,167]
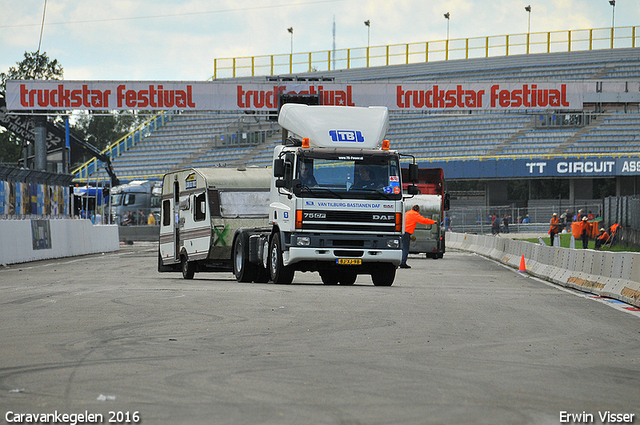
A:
[584,232]
[411,219]
[554,228]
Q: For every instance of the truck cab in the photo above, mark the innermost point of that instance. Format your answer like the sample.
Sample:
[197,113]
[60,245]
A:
[336,196]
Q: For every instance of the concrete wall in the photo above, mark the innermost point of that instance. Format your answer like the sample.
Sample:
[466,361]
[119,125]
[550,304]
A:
[608,274]
[30,240]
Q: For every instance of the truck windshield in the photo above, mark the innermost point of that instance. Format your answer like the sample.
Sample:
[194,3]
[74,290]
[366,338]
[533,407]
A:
[350,176]
[117,199]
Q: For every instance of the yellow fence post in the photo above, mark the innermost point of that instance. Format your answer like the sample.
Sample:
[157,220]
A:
[328,60]
[348,58]
[612,37]
[507,45]
[528,35]
[426,52]
[387,55]
[290,63]
[234,67]
[271,64]
[591,39]
[467,49]
[407,54]
[569,40]
[633,36]
[486,45]
[215,68]
[446,50]
[253,69]
[367,56]
[549,42]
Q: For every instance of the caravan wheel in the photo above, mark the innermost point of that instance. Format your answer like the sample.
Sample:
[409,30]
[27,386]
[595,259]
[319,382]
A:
[188,267]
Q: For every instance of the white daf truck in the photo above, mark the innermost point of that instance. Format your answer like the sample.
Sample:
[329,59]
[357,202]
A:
[335,205]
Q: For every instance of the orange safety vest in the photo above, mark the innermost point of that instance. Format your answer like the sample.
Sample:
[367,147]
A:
[554,225]
[411,218]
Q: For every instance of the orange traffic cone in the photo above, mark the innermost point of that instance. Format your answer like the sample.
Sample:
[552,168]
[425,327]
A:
[522,268]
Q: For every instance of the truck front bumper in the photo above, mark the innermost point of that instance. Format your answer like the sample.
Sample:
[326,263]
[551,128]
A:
[330,248]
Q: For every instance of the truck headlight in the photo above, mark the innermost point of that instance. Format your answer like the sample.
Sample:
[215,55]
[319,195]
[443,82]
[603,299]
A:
[393,243]
[303,241]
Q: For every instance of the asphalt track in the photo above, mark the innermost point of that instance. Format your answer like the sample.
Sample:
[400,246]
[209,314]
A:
[462,340]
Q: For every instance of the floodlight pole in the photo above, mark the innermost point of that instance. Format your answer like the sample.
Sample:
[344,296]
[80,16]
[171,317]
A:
[528,9]
[367,23]
[447,16]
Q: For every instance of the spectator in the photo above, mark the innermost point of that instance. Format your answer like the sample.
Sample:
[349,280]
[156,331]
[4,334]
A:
[495,225]
[567,219]
[151,220]
[505,223]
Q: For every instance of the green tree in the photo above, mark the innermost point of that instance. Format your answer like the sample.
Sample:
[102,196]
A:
[34,66]
[10,148]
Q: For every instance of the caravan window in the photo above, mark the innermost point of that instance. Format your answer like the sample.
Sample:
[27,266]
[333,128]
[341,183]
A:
[166,212]
[200,209]
[244,203]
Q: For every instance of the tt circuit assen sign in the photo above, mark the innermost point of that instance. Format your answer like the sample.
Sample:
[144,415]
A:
[596,167]
[398,96]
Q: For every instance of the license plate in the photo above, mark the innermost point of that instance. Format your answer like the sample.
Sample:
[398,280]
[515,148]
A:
[349,261]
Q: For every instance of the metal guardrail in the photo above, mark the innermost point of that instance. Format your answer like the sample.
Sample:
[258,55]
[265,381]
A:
[427,51]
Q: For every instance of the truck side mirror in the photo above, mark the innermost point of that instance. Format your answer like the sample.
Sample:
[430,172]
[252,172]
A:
[278,168]
[446,203]
[413,189]
[413,173]
[296,186]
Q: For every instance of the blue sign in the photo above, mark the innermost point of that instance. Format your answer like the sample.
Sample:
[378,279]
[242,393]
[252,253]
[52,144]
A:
[526,168]
[346,136]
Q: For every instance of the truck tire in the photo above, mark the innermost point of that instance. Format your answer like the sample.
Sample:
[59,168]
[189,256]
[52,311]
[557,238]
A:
[384,275]
[329,277]
[188,267]
[348,278]
[242,268]
[279,273]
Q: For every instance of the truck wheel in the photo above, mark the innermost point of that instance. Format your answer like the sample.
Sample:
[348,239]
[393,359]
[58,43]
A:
[349,278]
[188,268]
[329,277]
[384,275]
[279,273]
[242,268]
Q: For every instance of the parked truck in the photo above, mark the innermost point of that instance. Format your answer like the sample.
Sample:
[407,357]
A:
[132,203]
[332,203]
[433,202]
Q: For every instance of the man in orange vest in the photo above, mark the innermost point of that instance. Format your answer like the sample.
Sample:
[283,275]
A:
[602,239]
[411,219]
[555,227]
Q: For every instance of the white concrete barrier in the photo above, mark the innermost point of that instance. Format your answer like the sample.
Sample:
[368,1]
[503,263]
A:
[30,240]
[604,273]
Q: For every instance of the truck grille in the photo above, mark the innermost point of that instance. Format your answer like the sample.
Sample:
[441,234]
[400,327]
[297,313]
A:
[349,221]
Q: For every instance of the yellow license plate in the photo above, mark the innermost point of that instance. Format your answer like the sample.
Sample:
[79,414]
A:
[349,261]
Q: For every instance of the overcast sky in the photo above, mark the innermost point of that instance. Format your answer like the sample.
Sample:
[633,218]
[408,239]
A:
[179,40]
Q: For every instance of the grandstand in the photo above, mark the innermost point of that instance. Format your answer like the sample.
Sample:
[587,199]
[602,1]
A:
[436,139]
